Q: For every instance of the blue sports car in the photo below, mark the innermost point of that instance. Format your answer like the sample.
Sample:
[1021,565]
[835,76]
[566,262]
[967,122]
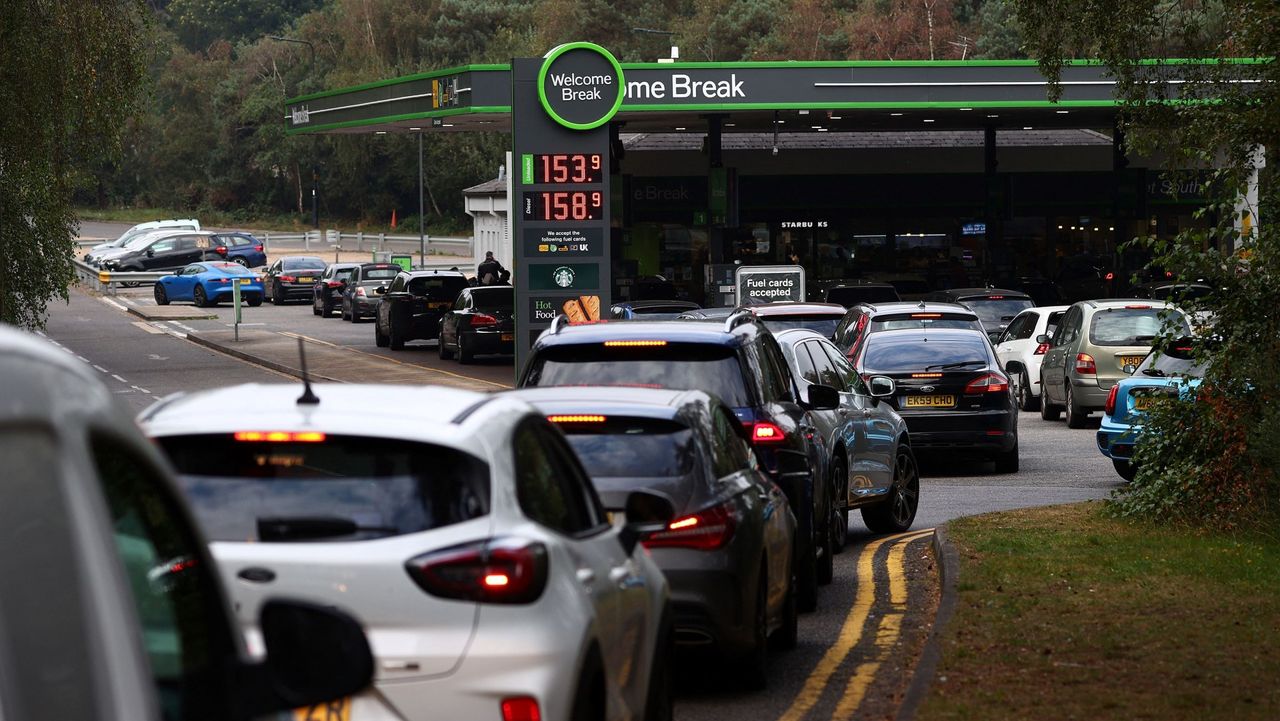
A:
[1173,373]
[207,283]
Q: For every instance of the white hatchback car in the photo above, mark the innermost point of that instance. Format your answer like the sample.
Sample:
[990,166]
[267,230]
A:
[1020,355]
[459,527]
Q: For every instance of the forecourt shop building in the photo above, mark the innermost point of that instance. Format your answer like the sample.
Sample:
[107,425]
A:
[644,180]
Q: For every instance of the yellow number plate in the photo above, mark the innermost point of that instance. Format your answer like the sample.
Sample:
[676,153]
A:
[1131,360]
[306,280]
[1142,403]
[439,304]
[339,710]
[930,401]
[508,336]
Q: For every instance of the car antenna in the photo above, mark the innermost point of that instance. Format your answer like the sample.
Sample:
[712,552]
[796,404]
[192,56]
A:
[308,397]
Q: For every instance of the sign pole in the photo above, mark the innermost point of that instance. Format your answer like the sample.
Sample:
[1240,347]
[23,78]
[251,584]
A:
[235,301]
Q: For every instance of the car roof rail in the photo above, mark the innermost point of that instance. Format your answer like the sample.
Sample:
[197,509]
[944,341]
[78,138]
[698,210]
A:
[737,318]
[558,322]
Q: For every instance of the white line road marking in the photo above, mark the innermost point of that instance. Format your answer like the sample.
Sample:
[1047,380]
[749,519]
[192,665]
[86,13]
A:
[183,326]
[141,390]
[113,375]
[147,327]
[114,304]
[82,358]
[100,369]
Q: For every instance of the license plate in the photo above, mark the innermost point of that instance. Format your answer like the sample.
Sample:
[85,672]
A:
[508,336]
[339,710]
[306,280]
[1129,362]
[930,401]
[1142,403]
[439,304]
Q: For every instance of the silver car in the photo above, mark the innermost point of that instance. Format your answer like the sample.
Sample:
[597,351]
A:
[458,526]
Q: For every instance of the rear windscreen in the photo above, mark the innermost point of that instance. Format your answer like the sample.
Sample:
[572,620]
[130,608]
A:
[994,312]
[434,288]
[678,366]
[824,324]
[900,321]
[343,488]
[633,447]
[381,274]
[891,353]
[1132,326]
[853,296]
[302,264]
[493,298]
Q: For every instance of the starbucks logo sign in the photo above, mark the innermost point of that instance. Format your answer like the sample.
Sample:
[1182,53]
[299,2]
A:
[563,276]
[580,85]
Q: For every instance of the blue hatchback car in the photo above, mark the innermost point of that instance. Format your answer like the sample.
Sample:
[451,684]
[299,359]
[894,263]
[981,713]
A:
[207,283]
[1173,373]
[239,247]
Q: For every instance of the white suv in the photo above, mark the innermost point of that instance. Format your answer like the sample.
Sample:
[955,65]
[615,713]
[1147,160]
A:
[458,526]
[95,253]
[1020,355]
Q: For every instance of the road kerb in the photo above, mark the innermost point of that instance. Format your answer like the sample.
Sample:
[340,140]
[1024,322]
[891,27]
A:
[948,574]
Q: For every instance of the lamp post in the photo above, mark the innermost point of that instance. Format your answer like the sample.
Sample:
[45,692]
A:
[315,171]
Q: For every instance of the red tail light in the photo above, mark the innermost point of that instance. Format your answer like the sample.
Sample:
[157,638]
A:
[1085,365]
[767,433]
[1111,276]
[360,292]
[1042,349]
[521,708]
[258,247]
[286,279]
[221,250]
[705,530]
[1110,407]
[499,570]
[483,319]
[334,283]
[988,383]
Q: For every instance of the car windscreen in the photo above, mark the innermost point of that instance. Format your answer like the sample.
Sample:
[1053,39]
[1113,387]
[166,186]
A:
[823,324]
[302,264]
[679,366]
[143,240]
[328,488]
[1132,325]
[994,312]
[232,269]
[342,273]
[854,295]
[1163,364]
[434,288]
[380,274]
[898,352]
[901,321]
[632,447]
[493,298]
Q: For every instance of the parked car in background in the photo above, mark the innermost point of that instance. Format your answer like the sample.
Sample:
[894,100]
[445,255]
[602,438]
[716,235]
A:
[292,277]
[94,253]
[326,294]
[1020,353]
[411,306]
[1169,374]
[119,614]
[481,322]
[864,319]
[949,388]
[239,247]
[873,467]
[207,284]
[737,360]
[1096,345]
[849,293]
[460,528]
[360,296]
[727,553]
[822,318]
[713,314]
[162,251]
[650,309]
[994,307]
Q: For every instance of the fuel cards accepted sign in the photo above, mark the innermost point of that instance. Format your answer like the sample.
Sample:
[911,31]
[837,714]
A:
[769,284]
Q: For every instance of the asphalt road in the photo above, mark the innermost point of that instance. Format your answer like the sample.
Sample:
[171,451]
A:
[140,363]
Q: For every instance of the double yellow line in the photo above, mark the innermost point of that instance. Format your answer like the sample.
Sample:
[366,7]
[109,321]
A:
[855,625]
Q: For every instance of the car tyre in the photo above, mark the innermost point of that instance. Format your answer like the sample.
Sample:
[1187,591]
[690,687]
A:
[277,295]
[162,298]
[255,300]
[380,339]
[589,700]
[806,575]
[753,665]
[1007,461]
[788,632]
[826,565]
[201,298]
[660,700]
[1126,469]
[898,512]
[315,307]
[1026,400]
[465,354]
[839,516]
[443,350]
[242,261]
[326,308]
[396,340]
[1076,417]
[1048,411]
[345,315]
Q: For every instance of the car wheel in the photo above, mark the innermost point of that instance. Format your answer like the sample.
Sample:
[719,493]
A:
[242,261]
[806,574]
[162,298]
[789,631]
[660,701]
[1027,401]
[1126,469]
[840,497]
[1048,411]
[589,700]
[1076,417]
[396,339]
[442,349]
[753,665]
[201,299]
[326,308]
[255,300]
[277,295]
[380,339]
[898,512]
[465,354]
[315,307]
[1007,462]
[826,564]
[345,314]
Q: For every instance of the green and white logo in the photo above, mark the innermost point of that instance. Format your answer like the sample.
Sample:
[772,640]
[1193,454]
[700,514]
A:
[563,276]
[581,85]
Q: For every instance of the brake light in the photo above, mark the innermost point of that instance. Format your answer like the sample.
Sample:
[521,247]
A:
[334,283]
[988,383]
[1042,349]
[221,250]
[577,418]
[483,319]
[926,375]
[634,343]
[767,433]
[995,297]
[926,315]
[286,279]
[1168,274]
[223,280]
[1085,364]
[281,436]
[520,708]
[499,570]
[705,530]
[258,247]
[1110,406]
[1137,307]
[1111,276]
[360,292]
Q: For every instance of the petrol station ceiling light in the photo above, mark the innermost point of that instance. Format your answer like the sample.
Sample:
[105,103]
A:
[1026,127]
[379,132]
[895,114]
[965,110]
[835,117]
[681,128]
[1062,112]
[993,116]
[415,128]
[928,120]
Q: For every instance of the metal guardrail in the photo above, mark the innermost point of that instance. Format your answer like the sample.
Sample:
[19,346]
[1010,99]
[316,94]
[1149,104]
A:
[358,241]
[105,281]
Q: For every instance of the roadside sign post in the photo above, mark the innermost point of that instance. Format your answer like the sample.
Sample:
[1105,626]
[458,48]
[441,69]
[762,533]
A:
[768,284]
[235,302]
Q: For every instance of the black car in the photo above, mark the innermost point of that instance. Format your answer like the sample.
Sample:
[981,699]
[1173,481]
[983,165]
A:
[864,319]
[821,318]
[326,294]
[481,322]
[950,390]
[411,306]
[852,292]
[362,293]
[291,278]
[727,552]
[651,309]
[737,360]
[161,252]
[995,306]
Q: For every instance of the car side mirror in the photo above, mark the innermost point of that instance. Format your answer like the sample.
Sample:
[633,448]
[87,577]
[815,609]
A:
[822,398]
[646,513]
[881,386]
[380,290]
[150,253]
[314,654]
[1043,338]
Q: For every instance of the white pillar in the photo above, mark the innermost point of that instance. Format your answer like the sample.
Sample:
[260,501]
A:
[1247,221]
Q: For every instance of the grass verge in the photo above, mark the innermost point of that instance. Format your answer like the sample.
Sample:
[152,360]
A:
[1068,613]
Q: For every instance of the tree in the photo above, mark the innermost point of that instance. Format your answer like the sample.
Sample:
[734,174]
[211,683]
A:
[69,74]
[1213,460]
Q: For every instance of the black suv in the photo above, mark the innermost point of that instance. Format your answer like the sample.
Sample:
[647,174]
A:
[413,305]
[995,306]
[739,361]
[865,318]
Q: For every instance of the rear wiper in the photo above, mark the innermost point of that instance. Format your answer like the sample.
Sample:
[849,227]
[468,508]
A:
[1156,372]
[302,528]
[959,364]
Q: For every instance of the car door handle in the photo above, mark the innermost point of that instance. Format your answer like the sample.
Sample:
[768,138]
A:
[257,574]
[866,412]
[586,576]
